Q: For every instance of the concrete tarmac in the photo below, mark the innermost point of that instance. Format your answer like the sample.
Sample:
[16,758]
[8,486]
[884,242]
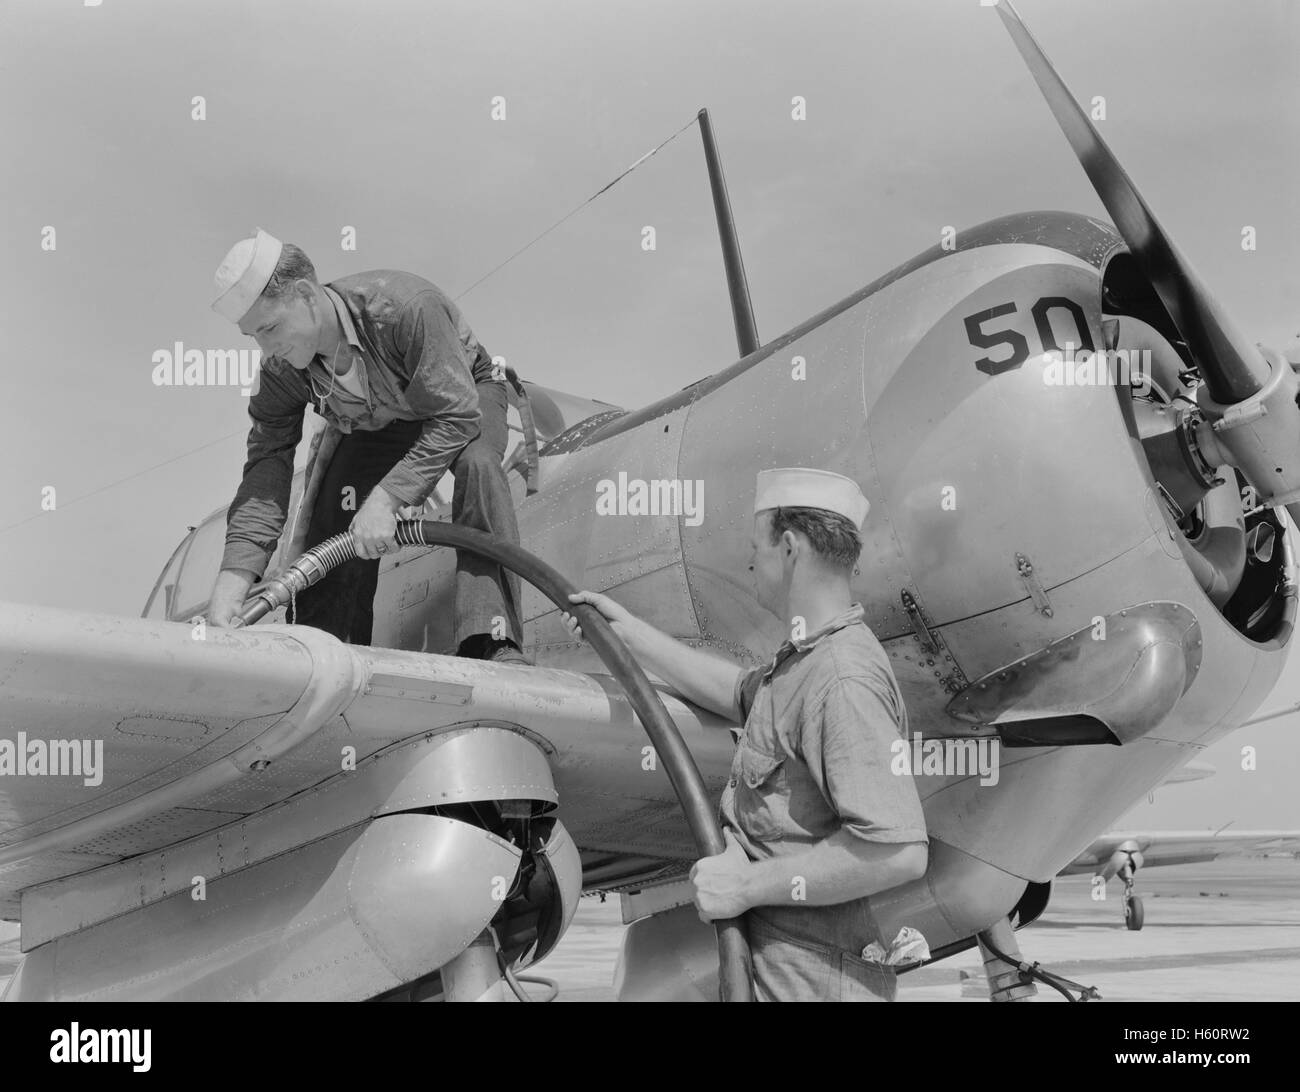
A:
[1228,930]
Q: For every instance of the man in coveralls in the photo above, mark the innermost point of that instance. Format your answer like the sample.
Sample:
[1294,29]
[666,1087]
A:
[407,393]
[815,820]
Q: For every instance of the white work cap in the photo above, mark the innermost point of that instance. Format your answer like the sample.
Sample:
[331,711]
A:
[244,272]
[800,487]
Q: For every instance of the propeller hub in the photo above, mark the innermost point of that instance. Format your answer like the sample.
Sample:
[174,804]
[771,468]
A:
[1260,435]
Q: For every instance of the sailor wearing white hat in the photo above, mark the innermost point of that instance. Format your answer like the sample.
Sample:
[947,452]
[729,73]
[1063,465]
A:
[408,393]
[244,273]
[815,820]
[800,487]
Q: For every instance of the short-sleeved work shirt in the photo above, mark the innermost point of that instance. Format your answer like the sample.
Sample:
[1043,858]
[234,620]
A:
[815,758]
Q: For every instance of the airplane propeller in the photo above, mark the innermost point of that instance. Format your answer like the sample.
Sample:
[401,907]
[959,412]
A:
[1248,401]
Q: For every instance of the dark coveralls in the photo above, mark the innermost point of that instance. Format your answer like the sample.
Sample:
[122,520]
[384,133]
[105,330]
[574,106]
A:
[429,403]
[343,602]
[815,759]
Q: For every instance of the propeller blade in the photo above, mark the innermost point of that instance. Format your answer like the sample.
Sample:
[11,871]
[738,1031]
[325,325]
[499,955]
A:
[1231,366]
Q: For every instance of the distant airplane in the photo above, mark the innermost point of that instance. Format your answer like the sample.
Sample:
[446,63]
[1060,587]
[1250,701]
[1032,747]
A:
[1122,853]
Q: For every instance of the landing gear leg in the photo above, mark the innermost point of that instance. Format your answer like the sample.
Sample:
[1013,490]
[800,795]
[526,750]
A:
[474,975]
[1133,916]
[1005,983]
[1011,978]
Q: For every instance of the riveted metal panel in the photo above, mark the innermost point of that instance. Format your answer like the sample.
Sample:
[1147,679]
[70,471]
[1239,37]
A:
[382,684]
[155,830]
[18,875]
[465,765]
[986,469]
[634,556]
[14,796]
[1098,671]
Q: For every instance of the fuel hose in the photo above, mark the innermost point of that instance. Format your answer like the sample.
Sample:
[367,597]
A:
[734,977]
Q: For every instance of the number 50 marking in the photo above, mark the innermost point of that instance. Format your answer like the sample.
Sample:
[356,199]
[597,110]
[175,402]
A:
[981,338]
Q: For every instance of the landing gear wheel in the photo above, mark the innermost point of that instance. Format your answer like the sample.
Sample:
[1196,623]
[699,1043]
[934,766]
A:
[1133,913]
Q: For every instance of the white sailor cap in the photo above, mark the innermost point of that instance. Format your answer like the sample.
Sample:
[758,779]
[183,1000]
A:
[244,272]
[801,487]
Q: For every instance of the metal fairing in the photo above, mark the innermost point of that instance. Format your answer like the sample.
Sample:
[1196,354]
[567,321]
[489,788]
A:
[345,917]
[367,886]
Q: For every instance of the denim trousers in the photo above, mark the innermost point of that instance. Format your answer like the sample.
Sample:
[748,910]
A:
[486,601]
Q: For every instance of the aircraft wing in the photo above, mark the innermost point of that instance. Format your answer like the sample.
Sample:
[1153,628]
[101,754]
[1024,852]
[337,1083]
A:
[138,754]
[1180,847]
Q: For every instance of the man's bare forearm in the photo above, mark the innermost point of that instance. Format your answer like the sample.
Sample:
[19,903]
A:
[837,869]
[705,679]
[229,591]
[233,582]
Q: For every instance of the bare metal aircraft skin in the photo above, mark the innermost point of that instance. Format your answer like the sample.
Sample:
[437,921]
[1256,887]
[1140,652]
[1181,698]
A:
[279,815]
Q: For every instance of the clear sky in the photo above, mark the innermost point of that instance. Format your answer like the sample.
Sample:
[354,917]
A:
[326,114]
